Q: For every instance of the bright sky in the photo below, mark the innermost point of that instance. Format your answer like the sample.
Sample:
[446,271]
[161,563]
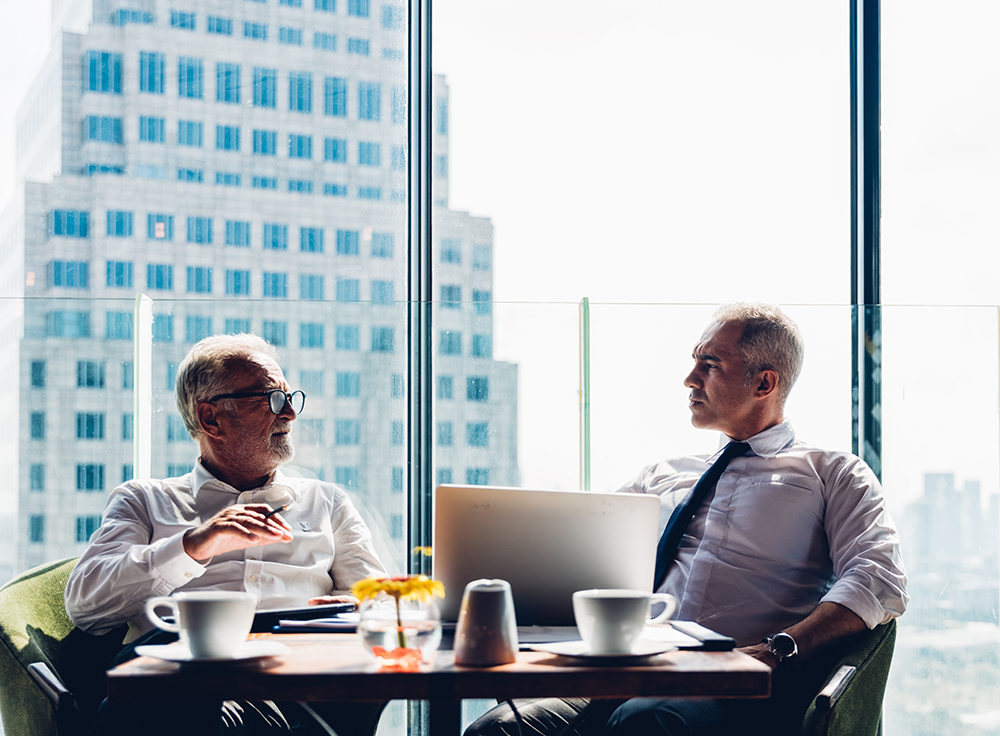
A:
[694,153]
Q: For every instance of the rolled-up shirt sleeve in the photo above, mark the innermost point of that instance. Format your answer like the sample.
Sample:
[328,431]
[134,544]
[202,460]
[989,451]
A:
[864,546]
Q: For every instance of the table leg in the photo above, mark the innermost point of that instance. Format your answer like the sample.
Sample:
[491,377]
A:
[445,717]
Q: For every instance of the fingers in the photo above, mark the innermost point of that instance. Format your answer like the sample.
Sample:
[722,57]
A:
[325,600]
[236,527]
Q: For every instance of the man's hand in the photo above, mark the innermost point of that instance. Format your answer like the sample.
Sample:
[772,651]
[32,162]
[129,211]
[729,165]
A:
[236,527]
[325,600]
[761,653]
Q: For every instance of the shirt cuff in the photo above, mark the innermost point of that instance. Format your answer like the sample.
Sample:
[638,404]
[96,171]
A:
[858,600]
[173,564]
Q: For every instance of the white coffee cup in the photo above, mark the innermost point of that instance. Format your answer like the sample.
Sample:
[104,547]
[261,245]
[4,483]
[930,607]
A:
[610,619]
[213,623]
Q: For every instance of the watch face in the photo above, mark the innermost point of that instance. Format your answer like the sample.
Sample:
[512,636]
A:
[782,645]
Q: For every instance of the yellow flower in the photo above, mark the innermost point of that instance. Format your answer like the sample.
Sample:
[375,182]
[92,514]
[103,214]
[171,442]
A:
[406,587]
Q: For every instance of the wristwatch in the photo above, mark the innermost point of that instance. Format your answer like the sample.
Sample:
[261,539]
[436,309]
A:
[782,646]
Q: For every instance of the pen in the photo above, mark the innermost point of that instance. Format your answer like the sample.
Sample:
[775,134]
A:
[272,512]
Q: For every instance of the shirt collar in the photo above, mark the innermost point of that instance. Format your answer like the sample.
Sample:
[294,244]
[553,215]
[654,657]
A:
[200,477]
[764,444]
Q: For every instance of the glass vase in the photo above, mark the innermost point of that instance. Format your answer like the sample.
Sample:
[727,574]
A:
[400,635]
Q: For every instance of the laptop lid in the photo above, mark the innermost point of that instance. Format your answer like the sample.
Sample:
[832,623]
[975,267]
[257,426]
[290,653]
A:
[546,544]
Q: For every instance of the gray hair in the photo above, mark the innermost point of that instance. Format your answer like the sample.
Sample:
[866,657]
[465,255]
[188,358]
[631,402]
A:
[206,370]
[770,341]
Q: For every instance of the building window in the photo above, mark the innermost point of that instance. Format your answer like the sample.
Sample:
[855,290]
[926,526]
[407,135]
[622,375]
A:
[163,328]
[89,426]
[482,346]
[275,285]
[393,17]
[383,339]
[265,87]
[86,526]
[36,477]
[445,434]
[443,476]
[348,337]
[128,370]
[199,280]
[445,387]
[37,372]
[347,432]
[300,185]
[477,434]
[176,431]
[152,130]
[396,386]
[300,92]
[335,97]
[238,233]
[265,142]
[369,154]
[482,257]
[189,78]
[160,227]
[227,138]
[118,326]
[348,290]
[275,332]
[451,250]
[90,373]
[159,276]
[199,230]
[102,129]
[219,26]
[383,245]
[196,328]
[311,382]
[450,343]
[194,175]
[346,477]
[291,36]
[237,282]
[325,41]
[347,242]
[477,388]
[482,301]
[36,528]
[311,334]
[237,326]
[329,6]
[335,149]
[374,193]
[291,3]
[69,223]
[36,425]
[311,287]
[128,426]
[265,182]
[335,190]
[369,101]
[348,385]
[477,476]
[227,82]
[300,146]
[70,274]
[383,292]
[182,20]
[119,224]
[441,166]
[189,133]
[451,296]
[398,105]
[275,236]
[66,323]
[358,8]
[90,477]
[397,473]
[120,274]
[102,71]
[359,46]
[311,239]
[255,31]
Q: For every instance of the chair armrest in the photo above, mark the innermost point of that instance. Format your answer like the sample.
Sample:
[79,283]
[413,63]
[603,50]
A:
[51,685]
[834,687]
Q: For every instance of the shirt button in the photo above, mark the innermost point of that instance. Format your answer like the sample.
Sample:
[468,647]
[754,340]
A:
[253,578]
[187,574]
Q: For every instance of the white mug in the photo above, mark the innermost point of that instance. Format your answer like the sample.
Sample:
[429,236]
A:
[610,619]
[213,623]
[486,633]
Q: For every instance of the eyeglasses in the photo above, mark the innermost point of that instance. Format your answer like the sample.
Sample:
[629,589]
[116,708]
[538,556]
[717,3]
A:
[276,399]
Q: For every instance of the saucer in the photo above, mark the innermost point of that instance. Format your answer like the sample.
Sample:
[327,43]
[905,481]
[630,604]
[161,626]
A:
[178,652]
[642,651]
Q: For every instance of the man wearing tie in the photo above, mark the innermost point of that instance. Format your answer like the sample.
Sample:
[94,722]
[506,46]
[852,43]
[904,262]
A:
[785,547]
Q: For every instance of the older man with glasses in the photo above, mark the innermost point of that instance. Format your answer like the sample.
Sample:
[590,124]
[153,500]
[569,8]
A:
[214,528]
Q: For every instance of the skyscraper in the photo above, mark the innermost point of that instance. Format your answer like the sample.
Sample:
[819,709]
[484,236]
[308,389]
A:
[243,163]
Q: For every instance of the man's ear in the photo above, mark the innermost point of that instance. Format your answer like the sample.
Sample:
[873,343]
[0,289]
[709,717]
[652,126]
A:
[208,419]
[766,383]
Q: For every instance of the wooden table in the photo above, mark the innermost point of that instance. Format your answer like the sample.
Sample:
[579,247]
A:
[335,667]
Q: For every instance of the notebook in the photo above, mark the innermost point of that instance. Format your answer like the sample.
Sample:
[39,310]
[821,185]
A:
[546,544]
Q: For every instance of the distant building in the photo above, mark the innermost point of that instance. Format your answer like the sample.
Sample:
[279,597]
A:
[243,163]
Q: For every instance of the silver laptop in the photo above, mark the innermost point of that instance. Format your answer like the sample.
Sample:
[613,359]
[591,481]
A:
[546,544]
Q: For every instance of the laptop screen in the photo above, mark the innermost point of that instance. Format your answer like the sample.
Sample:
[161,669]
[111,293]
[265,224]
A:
[546,544]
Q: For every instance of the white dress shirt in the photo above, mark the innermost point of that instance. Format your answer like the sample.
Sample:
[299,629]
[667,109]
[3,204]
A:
[788,526]
[139,553]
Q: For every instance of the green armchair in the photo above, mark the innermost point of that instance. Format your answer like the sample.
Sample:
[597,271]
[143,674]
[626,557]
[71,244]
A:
[51,673]
[850,704]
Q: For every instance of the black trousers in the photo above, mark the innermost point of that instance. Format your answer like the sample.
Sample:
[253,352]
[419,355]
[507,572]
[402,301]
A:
[230,718]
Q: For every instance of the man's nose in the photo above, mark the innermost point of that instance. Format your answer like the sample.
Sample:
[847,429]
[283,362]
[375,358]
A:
[691,380]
